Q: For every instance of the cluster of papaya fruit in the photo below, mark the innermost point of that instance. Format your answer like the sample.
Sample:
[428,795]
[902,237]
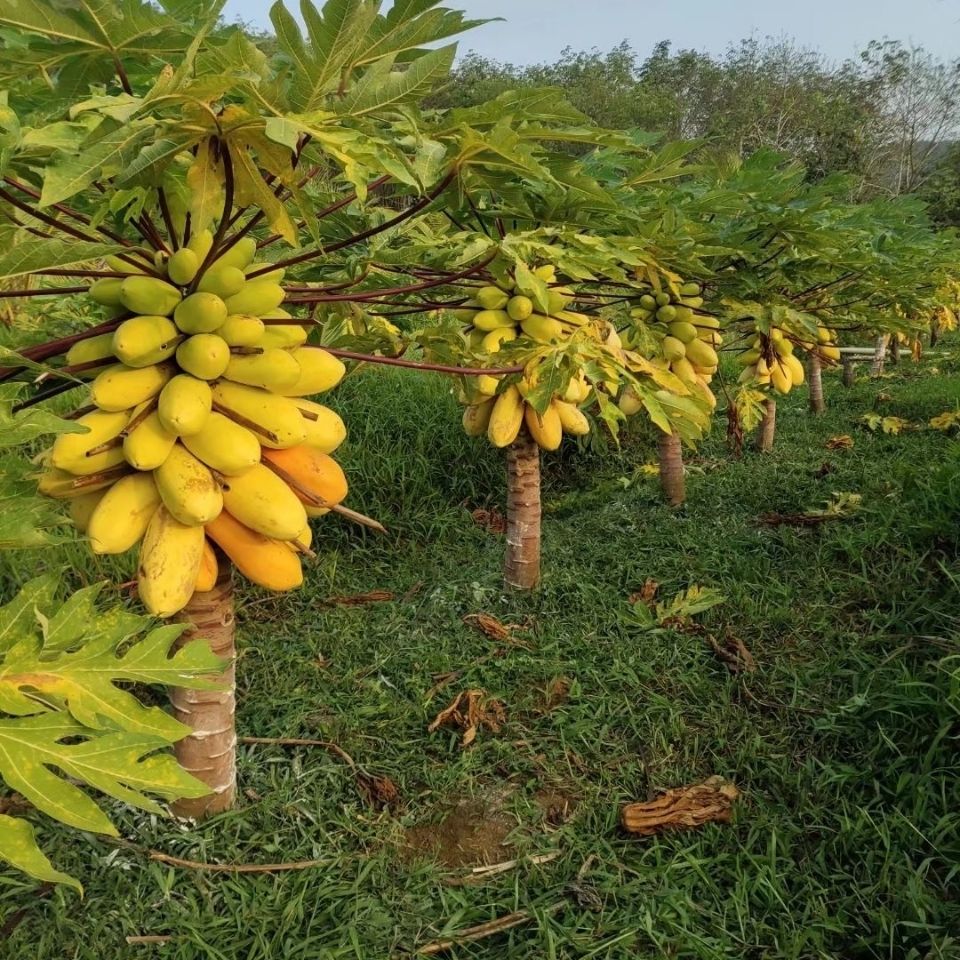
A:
[770,361]
[687,338]
[499,314]
[197,429]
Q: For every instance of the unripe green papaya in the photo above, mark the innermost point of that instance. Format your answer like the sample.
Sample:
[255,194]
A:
[257,298]
[148,444]
[683,331]
[149,296]
[204,356]
[200,313]
[121,387]
[240,255]
[272,370]
[673,349]
[318,371]
[91,349]
[662,299]
[223,281]
[182,266]
[184,405]
[142,341]
[690,289]
[106,292]
[224,446]
[200,243]
[701,354]
[667,313]
[241,330]
[647,302]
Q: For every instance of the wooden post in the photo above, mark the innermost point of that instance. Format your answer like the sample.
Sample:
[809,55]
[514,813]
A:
[815,380]
[672,480]
[210,752]
[521,568]
[934,330]
[879,356]
[768,427]
[849,372]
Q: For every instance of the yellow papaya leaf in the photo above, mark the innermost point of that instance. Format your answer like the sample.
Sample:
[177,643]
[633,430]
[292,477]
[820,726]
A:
[205,179]
[250,189]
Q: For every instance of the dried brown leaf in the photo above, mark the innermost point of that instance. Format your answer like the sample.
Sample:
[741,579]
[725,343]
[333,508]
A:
[842,442]
[493,521]
[646,594]
[360,599]
[682,808]
[470,711]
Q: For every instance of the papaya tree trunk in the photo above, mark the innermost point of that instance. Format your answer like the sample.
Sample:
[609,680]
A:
[768,427]
[672,481]
[849,373]
[879,355]
[815,379]
[521,568]
[894,349]
[210,752]
[934,331]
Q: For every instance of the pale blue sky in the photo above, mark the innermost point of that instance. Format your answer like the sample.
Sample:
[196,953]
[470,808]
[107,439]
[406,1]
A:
[537,30]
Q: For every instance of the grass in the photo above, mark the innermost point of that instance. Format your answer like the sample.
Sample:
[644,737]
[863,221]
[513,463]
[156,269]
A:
[846,840]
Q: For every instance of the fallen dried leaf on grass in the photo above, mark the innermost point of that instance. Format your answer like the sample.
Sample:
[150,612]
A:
[469,711]
[646,593]
[493,628]
[493,521]
[682,808]
[733,652]
[843,442]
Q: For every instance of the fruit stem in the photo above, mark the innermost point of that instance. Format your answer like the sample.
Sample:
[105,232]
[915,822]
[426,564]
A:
[245,422]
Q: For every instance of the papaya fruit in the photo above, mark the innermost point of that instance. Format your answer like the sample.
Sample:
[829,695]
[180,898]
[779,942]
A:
[282,336]
[673,349]
[256,297]
[683,368]
[204,355]
[224,446]
[272,370]
[148,296]
[121,517]
[201,242]
[272,276]
[187,487]
[90,350]
[795,367]
[488,320]
[70,451]
[184,405]
[240,255]
[319,371]
[543,329]
[241,330]
[82,507]
[492,342]
[262,501]
[223,282]
[200,313]
[315,472]
[492,298]
[106,292]
[209,569]
[780,378]
[572,419]
[182,266]
[545,428]
[148,444]
[519,308]
[145,340]
[325,430]
[683,331]
[476,417]
[170,556]
[265,562]
[278,419]
[506,418]
[701,354]
[120,387]
[486,385]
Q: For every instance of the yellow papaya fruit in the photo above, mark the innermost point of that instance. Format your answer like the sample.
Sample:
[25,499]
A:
[319,371]
[106,292]
[204,356]
[240,255]
[265,562]
[683,368]
[149,296]
[701,354]
[122,515]
[830,353]
[558,298]
[118,265]
[795,368]
[506,418]
[271,370]
[184,405]
[545,428]
[683,331]
[780,378]
[316,473]
[282,336]
[224,446]
[492,341]
[200,313]
[187,487]
[148,444]
[572,419]
[476,417]
[488,320]
[547,273]
[144,341]
[577,390]
[120,387]
[673,349]
[90,350]
[325,430]
[277,420]
[66,486]
[201,242]
[543,329]
[486,385]
[519,308]
[492,298]
[223,282]
[170,556]
[182,266]
[241,330]
[262,501]
[256,297]
[209,569]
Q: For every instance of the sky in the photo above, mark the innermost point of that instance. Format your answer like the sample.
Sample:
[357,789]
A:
[536,31]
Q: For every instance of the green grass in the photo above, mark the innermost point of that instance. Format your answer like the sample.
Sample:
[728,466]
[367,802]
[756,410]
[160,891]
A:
[845,843]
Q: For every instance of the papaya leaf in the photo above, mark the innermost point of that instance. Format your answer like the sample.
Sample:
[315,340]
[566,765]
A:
[18,847]
[35,253]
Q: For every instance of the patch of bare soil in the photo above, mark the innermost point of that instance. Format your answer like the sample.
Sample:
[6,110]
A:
[470,834]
